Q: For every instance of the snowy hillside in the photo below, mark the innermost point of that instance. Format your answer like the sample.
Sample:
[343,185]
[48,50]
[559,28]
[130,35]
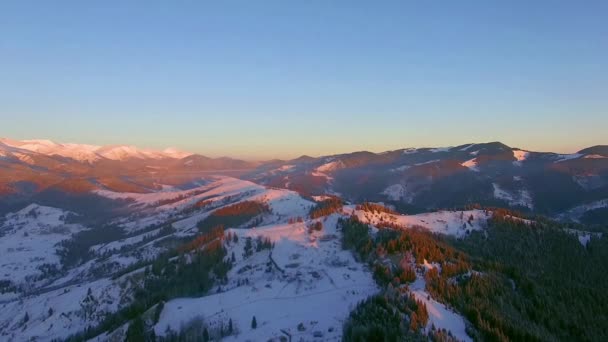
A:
[28,241]
[288,289]
[454,223]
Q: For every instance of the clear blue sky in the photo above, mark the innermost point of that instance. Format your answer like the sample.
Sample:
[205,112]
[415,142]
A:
[261,79]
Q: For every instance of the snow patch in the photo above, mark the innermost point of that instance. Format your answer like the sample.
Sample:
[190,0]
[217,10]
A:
[519,198]
[471,164]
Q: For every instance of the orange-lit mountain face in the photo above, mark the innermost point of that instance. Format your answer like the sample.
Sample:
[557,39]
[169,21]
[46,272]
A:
[86,230]
[35,166]
[414,179]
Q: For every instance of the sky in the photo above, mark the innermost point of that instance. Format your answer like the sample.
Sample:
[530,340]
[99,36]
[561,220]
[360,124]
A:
[278,79]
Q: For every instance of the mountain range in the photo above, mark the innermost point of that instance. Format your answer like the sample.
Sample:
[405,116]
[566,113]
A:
[570,186]
[474,242]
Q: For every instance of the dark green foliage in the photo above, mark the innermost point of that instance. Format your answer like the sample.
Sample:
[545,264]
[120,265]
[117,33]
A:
[248,250]
[383,318]
[538,283]
[77,249]
[233,215]
[205,335]
[169,277]
[262,243]
[136,331]
[355,236]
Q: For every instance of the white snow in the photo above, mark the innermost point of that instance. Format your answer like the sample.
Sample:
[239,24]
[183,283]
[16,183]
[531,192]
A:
[439,315]
[410,150]
[70,312]
[467,147]
[331,166]
[427,162]
[92,153]
[594,156]
[583,236]
[520,198]
[395,192]
[521,156]
[400,168]
[564,157]
[455,223]
[29,240]
[471,164]
[440,149]
[318,275]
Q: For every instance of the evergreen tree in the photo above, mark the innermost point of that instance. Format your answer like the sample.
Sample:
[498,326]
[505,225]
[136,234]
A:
[230,326]
[254,323]
[136,332]
[205,335]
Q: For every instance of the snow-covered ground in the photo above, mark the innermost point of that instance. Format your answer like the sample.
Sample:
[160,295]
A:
[471,164]
[521,156]
[57,314]
[28,240]
[518,198]
[92,153]
[439,315]
[455,223]
[314,283]
[575,213]
[397,192]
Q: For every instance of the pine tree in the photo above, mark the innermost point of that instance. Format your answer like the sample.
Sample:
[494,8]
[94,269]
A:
[254,323]
[136,332]
[230,326]
[205,335]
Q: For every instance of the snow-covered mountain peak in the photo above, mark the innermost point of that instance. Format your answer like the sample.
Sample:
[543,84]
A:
[88,153]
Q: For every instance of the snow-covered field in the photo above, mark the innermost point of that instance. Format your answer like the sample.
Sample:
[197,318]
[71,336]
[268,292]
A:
[455,223]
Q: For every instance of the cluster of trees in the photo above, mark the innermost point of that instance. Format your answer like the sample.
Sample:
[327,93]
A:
[326,207]
[355,237]
[386,317]
[233,215]
[375,208]
[183,272]
[198,331]
[537,282]
[293,220]
[76,250]
[316,226]
[516,280]
[215,233]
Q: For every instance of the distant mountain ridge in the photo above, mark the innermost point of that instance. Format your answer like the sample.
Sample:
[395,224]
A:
[411,179]
[32,167]
[91,153]
[420,179]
